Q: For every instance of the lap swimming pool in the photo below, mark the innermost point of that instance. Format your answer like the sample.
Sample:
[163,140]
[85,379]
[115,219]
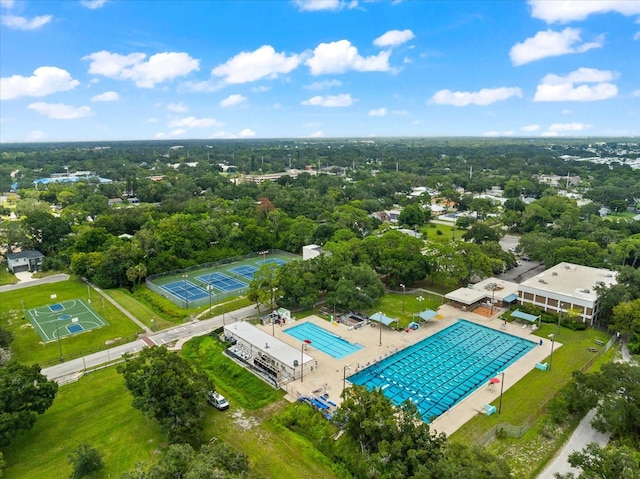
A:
[441,370]
[321,339]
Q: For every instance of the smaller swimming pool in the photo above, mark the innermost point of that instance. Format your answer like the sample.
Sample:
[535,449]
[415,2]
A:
[321,339]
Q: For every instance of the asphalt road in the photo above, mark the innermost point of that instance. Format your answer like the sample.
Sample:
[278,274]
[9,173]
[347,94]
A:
[69,370]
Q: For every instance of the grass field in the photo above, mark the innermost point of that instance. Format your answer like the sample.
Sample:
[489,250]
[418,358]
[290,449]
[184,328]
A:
[525,400]
[5,276]
[95,410]
[27,345]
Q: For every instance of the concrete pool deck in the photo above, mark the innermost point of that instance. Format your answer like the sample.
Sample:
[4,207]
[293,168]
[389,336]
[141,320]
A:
[329,373]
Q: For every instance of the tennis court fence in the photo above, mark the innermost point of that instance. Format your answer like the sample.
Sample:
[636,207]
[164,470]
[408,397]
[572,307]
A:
[156,286]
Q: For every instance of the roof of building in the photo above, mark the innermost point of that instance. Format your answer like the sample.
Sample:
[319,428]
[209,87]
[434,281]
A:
[572,280]
[266,343]
[489,288]
[29,254]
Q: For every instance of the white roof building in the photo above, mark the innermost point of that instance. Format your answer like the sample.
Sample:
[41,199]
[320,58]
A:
[565,287]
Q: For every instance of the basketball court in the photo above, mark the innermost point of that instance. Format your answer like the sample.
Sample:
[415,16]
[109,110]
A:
[66,318]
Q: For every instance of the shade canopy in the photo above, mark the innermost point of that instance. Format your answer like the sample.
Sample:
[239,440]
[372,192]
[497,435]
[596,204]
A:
[494,380]
[427,314]
[527,317]
[381,318]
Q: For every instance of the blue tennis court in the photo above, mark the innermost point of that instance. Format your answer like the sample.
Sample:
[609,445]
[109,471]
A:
[246,271]
[321,339]
[277,261]
[185,290]
[441,370]
[221,282]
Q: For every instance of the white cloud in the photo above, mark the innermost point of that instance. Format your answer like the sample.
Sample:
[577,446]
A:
[549,133]
[530,128]
[60,111]
[550,44]
[323,85]
[636,36]
[251,66]
[486,96]
[330,101]
[342,56]
[635,93]
[106,96]
[393,38]
[158,68]
[565,111]
[326,5]
[247,133]
[568,11]
[260,89]
[93,4]
[317,134]
[379,112]
[399,112]
[177,107]
[44,81]
[574,86]
[193,122]
[8,4]
[23,23]
[233,100]
[561,127]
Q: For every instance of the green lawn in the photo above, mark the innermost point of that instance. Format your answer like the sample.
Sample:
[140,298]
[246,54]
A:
[27,346]
[393,305]
[141,311]
[5,276]
[525,402]
[95,410]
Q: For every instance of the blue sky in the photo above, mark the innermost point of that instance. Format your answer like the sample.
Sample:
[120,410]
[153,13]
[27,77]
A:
[135,69]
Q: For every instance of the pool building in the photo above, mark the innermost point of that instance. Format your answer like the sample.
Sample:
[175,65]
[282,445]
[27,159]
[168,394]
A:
[267,356]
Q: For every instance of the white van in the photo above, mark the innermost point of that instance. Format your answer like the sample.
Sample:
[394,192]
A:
[217,400]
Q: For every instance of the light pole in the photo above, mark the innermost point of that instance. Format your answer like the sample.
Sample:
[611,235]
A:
[420,300]
[501,390]
[559,318]
[553,340]
[344,377]
[209,289]
[402,286]
[380,326]
[186,293]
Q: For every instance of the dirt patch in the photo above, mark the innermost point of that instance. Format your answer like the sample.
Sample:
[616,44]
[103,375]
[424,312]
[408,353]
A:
[243,421]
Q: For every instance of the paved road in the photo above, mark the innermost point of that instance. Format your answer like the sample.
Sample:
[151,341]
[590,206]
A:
[69,370]
[54,278]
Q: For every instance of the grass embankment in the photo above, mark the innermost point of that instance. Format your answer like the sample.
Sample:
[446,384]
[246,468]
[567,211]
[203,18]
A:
[27,345]
[5,276]
[525,403]
[95,410]
[251,425]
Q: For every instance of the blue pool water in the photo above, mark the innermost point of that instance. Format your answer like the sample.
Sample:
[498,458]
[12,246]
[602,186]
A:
[321,339]
[441,370]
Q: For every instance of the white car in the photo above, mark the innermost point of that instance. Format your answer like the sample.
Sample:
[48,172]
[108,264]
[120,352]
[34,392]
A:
[217,400]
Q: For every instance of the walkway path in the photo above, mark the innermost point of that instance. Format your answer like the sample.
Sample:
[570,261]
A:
[122,310]
[583,435]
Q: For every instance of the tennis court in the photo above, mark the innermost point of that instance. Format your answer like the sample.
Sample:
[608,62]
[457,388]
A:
[277,261]
[59,320]
[221,282]
[185,290]
[246,271]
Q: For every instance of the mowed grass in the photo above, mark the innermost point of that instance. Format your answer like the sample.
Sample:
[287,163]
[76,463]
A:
[273,450]
[95,410]
[525,402]
[141,311]
[5,276]
[27,345]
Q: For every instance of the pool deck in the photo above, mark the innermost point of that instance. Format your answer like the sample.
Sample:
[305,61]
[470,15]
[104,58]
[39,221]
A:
[328,376]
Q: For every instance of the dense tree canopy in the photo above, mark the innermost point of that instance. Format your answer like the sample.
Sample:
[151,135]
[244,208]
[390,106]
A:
[167,388]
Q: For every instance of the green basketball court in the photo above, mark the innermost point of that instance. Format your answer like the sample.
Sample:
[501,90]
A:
[66,318]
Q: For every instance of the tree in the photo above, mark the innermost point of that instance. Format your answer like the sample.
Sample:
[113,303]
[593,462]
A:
[167,388]
[263,287]
[470,462]
[481,233]
[412,215]
[25,393]
[626,320]
[604,462]
[86,460]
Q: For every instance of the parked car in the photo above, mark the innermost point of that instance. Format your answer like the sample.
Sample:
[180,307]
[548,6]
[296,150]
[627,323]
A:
[217,400]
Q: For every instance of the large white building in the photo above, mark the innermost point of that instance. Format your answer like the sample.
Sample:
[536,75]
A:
[565,287]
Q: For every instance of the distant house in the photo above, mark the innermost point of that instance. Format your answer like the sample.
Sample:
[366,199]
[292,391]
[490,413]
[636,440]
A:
[29,260]
[114,201]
